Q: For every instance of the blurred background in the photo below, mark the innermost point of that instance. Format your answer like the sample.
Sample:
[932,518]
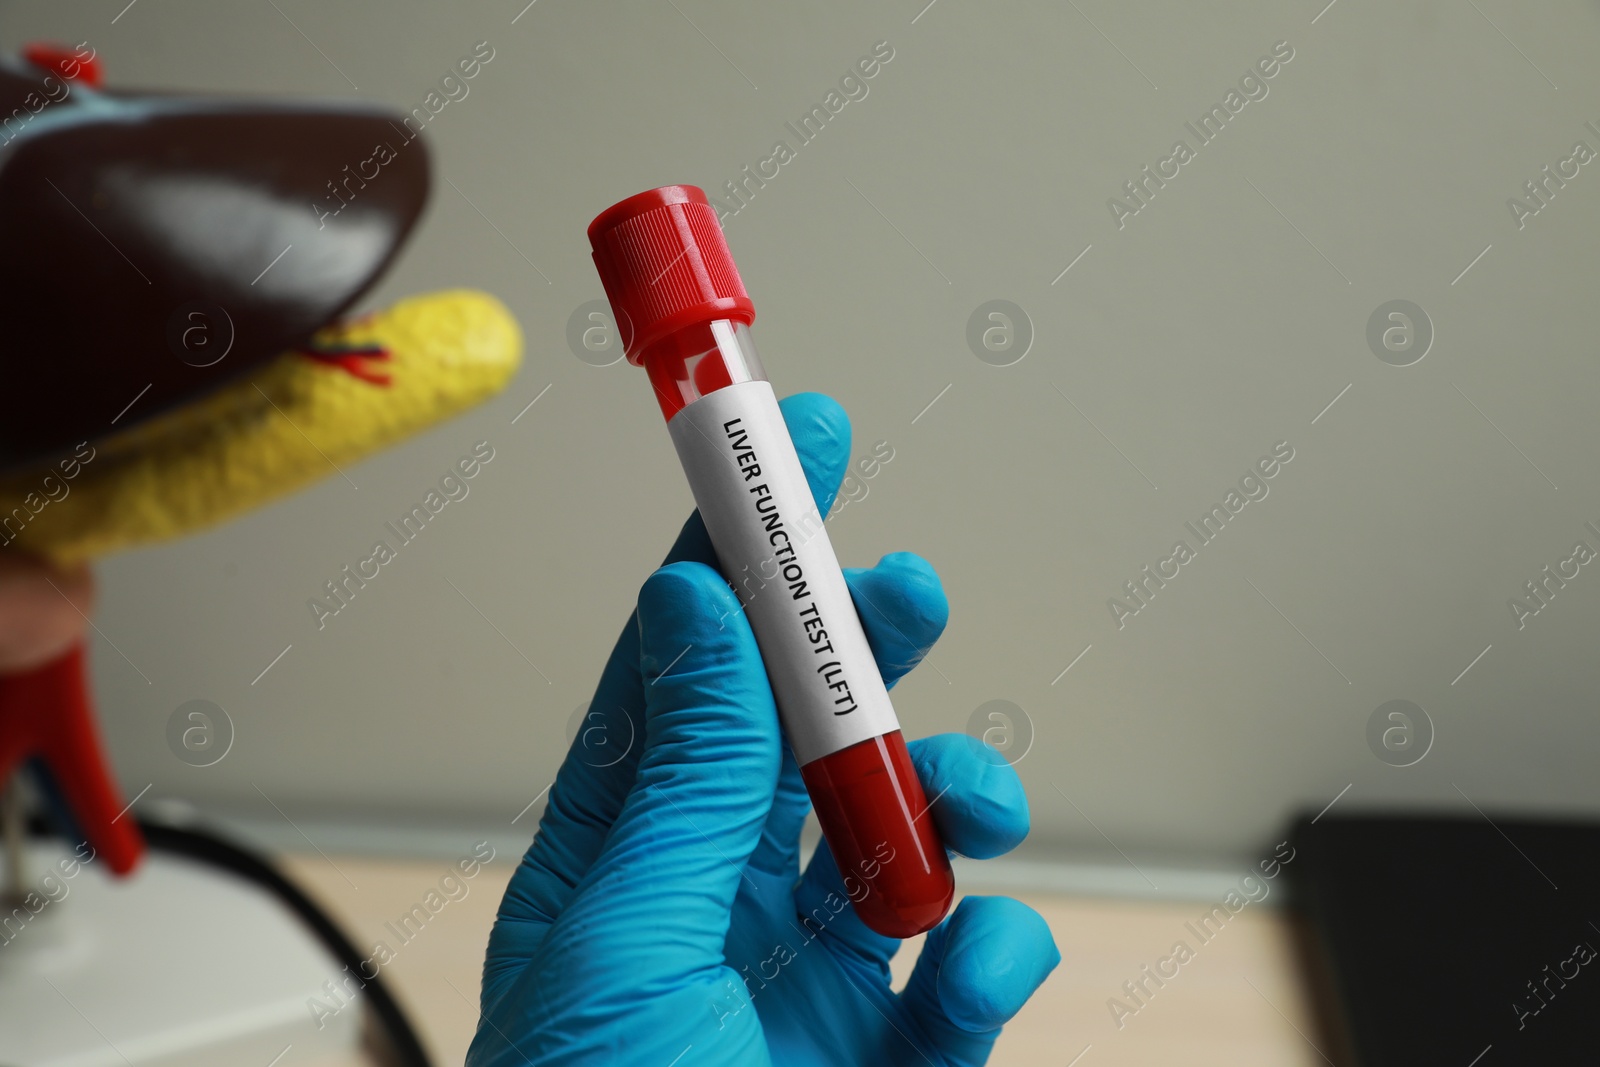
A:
[1068,373]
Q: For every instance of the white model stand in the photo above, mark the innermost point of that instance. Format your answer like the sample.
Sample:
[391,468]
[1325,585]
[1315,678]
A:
[179,965]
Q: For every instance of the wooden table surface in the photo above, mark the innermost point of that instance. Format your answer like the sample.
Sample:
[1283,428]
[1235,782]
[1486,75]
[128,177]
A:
[1239,1002]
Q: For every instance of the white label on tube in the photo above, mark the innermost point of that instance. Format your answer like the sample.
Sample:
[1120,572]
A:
[769,537]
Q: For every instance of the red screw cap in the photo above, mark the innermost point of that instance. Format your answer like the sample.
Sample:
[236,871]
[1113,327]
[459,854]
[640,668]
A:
[665,265]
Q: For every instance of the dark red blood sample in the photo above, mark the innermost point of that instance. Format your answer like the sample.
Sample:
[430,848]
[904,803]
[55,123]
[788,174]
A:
[875,816]
[711,373]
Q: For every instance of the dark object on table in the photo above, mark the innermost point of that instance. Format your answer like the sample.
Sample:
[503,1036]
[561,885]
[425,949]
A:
[1458,940]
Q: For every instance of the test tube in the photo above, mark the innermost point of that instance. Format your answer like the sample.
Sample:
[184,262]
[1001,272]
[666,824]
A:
[683,314]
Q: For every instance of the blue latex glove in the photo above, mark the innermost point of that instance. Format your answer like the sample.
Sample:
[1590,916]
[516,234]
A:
[654,920]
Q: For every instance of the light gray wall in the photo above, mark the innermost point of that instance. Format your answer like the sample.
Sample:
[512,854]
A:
[1222,319]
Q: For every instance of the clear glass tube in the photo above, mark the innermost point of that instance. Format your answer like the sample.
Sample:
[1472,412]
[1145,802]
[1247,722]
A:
[700,359]
[869,801]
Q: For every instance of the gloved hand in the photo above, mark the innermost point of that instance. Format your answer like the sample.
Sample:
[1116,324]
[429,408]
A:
[657,918]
